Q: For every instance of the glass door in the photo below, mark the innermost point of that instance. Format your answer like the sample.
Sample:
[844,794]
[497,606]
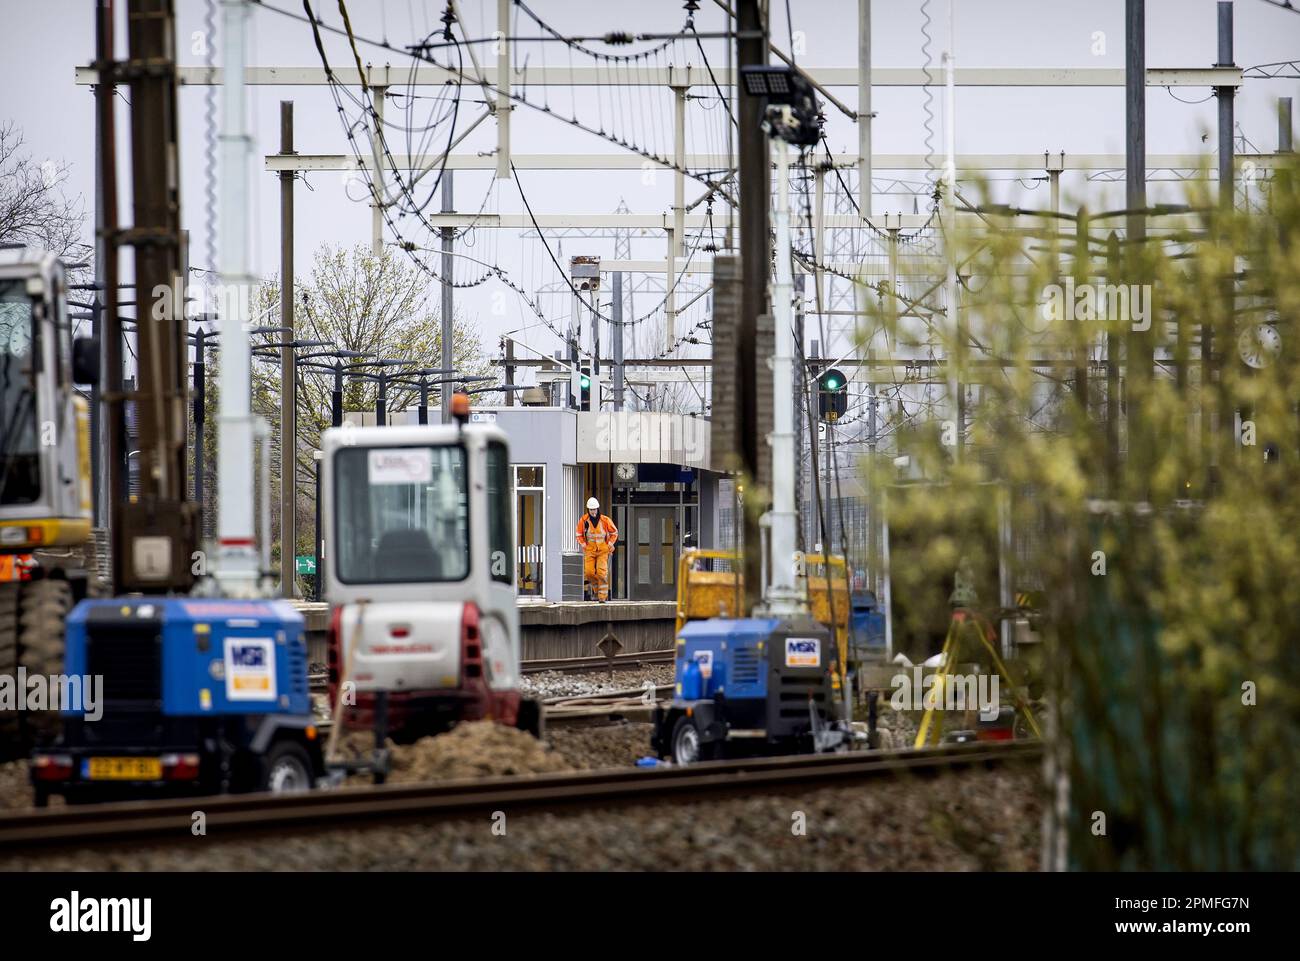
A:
[530,529]
[654,554]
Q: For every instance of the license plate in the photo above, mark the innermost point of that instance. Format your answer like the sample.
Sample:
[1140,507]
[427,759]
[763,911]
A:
[122,769]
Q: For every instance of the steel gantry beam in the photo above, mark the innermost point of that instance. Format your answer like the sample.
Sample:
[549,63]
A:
[685,76]
[619,161]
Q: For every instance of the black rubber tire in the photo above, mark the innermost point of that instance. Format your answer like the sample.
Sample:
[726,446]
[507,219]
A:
[703,752]
[293,755]
[531,718]
[43,613]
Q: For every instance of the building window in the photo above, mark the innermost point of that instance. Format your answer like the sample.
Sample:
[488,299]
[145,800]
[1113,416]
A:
[530,527]
[667,549]
[572,507]
[643,549]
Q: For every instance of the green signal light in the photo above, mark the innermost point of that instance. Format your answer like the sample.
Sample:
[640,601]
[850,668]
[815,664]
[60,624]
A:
[585,381]
[832,383]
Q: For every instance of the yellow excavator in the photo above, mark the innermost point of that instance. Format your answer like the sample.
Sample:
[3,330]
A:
[45,477]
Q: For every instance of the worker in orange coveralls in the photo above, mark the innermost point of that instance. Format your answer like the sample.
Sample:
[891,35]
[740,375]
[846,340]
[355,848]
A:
[596,534]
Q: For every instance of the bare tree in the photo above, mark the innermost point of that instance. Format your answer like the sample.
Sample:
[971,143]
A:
[356,300]
[34,210]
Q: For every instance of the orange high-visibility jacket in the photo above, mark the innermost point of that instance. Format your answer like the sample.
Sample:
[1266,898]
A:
[597,537]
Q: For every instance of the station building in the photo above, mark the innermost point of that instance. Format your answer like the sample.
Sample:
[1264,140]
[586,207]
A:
[651,472]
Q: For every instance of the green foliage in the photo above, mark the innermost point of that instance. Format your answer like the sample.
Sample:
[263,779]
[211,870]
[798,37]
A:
[359,301]
[1173,469]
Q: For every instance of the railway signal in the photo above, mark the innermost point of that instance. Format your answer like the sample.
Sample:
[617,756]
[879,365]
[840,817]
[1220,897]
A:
[832,395]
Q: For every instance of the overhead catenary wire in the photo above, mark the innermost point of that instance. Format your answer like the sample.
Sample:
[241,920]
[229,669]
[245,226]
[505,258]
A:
[564,274]
[422,53]
[414,207]
[404,200]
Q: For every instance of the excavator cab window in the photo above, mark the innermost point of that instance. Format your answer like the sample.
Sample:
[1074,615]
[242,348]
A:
[402,514]
[61,325]
[20,476]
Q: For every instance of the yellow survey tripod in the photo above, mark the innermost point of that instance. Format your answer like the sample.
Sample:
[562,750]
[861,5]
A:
[965,624]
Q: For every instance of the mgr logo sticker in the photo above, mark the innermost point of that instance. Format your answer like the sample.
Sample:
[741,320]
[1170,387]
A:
[705,660]
[250,669]
[802,652]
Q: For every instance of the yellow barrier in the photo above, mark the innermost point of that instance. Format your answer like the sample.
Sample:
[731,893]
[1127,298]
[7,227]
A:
[704,593]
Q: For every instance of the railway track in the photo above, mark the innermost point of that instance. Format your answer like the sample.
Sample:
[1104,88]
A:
[631,702]
[562,665]
[585,665]
[231,816]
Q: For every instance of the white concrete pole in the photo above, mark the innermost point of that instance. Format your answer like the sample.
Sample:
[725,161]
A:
[677,241]
[864,107]
[236,566]
[378,94]
[782,597]
[955,389]
[504,103]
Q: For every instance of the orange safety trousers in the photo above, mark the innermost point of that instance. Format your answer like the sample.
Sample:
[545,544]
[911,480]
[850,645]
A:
[597,539]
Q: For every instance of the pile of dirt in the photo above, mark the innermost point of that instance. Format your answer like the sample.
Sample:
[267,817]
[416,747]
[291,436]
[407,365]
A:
[474,749]
[610,745]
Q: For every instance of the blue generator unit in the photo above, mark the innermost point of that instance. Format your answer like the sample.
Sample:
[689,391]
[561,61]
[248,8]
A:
[182,695]
[749,685]
[867,625]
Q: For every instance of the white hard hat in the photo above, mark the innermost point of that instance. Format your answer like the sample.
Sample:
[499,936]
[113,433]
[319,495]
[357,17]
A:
[593,504]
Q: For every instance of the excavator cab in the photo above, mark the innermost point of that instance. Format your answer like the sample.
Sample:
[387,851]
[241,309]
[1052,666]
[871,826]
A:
[45,485]
[45,482]
[418,567]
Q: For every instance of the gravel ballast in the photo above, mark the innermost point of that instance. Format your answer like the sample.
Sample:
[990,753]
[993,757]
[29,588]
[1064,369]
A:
[548,684]
[483,749]
[974,821]
[15,789]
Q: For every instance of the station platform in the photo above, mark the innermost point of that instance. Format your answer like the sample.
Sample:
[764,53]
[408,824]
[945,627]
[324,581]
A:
[553,629]
[575,628]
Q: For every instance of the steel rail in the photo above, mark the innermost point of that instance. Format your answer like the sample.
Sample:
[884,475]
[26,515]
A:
[230,816]
[582,665]
[602,698]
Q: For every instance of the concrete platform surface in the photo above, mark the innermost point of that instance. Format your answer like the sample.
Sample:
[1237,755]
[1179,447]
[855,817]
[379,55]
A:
[573,613]
[552,630]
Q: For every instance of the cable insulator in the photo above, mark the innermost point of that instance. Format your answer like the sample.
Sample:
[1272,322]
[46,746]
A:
[618,38]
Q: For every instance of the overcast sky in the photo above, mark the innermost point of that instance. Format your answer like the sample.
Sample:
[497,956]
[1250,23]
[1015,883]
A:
[45,41]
